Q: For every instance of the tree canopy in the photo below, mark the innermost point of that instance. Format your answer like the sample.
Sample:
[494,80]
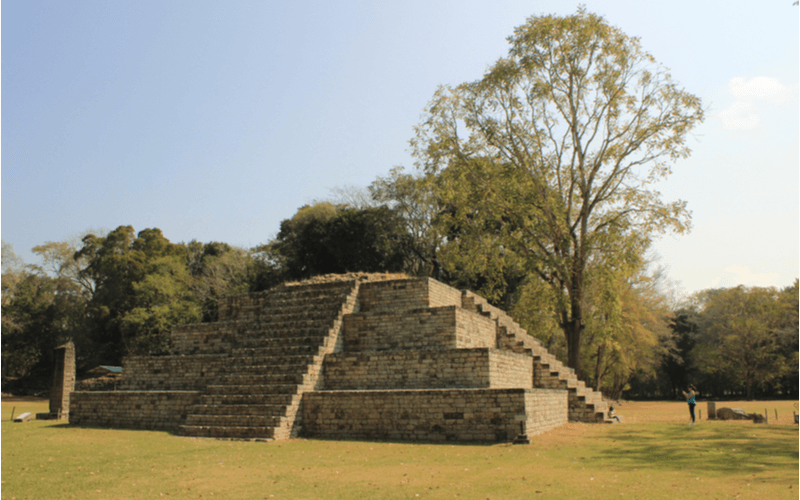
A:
[324,238]
[749,334]
[555,152]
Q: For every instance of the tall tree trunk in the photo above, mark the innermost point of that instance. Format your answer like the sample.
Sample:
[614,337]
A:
[574,326]
[573,332]
[598,367]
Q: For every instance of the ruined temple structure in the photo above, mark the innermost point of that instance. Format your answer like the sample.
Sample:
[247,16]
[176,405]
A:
[348,357]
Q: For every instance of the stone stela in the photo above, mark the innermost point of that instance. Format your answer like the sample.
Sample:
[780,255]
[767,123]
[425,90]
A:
[63,383]
[348,357]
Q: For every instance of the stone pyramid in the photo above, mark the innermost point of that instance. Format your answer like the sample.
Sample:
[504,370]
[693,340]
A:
[348,357]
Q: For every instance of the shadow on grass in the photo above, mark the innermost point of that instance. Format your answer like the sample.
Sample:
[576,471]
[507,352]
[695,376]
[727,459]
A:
[409,443]
[174,432]
[64,426]
[711,447]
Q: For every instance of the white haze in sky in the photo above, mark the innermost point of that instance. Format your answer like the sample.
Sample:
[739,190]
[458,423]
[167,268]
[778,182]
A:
[743,113]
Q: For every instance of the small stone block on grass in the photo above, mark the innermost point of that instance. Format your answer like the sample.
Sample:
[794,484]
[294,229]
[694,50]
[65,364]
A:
[23,417]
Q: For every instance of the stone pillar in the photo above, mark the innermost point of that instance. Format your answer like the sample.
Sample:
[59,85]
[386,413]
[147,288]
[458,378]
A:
[63,381]
[712,410]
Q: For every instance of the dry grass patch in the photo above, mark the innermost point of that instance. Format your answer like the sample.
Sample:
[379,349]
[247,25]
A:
[652,455]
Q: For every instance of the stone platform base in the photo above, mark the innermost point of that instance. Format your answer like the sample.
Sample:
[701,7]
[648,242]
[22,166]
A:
[52,416]
[482,415]
[150,410]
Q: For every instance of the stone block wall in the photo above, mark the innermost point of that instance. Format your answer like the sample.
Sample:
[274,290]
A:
[253,307]
[441,295]
[204,338]
[483,415]
[150,410]
[547,408]
[243,307]
[420,329]
[401,295]
[458,368]
[172,373]
[509,369]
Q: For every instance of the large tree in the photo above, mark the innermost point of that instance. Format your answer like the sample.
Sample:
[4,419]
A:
[556,150]
[742,335]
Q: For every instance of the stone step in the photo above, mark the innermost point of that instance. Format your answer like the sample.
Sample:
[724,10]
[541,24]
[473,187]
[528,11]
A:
[261,367]
[247,399]
[296,304]
[228,432]
[309,313]
[262,379]
[316,339]
[265,316]
[276,352]
[240,409]
[315,287]
[232,420]
[214,390]
[288,331]
[291,362]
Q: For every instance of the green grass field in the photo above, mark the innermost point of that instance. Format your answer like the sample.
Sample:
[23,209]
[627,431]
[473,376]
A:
[653,454]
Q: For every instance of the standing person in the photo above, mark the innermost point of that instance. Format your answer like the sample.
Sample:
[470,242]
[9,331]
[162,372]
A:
[690,399]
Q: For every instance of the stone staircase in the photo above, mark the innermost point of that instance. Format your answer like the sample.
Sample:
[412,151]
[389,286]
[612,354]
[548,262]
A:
[283,340]
[585,404]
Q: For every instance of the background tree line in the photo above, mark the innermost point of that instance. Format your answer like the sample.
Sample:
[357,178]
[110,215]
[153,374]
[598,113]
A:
[120,294]
[535,188]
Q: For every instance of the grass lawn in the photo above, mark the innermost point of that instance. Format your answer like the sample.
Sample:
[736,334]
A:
[653,454]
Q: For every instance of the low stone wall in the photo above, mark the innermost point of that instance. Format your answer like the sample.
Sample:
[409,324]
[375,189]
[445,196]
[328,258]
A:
[488,415]
[172,373]
[421,329]
[161,410]
[458,368]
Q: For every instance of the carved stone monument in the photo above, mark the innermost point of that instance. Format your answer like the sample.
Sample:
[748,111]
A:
[63,383]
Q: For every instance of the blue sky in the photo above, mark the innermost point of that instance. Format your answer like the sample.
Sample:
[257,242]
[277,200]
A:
[216,120]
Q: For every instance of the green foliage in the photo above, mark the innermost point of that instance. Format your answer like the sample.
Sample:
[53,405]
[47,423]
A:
[743,334]
[322,239]
[116,295]
[679,365]
[41,313]
[536,309]
[217,270]
[552,155]
[627,331]
[414,200]
[141,291]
